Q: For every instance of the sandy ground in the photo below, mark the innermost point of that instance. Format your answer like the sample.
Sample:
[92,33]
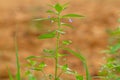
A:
[89,36]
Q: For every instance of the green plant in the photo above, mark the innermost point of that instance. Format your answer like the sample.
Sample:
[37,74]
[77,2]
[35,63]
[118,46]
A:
[111,70]
[18,76]
[60,45]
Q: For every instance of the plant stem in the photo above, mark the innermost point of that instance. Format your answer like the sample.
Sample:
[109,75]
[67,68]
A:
[57,48]
[17,57]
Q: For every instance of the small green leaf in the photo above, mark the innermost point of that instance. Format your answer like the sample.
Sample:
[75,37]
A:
[41,19]
[60,31]
[65,67]
[50,11]
[48,51]
[65,24]
[67,42]
[50,5]
[32,63]
[27,73]
[60,55]
[30,57]
[115,32]
[42,65]
[78,77]
[31,77]
[72,15]
[58,7]
[114,48]
[65,5]
[48,35]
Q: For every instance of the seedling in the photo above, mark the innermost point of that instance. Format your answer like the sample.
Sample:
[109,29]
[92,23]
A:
[56,10]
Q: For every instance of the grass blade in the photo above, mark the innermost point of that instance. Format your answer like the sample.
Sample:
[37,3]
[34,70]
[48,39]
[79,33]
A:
[17,59]
[88,77]
[10,74]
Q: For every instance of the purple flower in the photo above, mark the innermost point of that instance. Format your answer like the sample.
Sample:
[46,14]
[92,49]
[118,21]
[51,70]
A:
[70,20]
[48,16]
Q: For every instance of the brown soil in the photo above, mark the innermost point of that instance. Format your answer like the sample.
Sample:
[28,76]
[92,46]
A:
[89,36]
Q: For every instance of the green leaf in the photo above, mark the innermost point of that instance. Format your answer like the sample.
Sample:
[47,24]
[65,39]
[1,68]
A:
[58,7]
[88,77]
[78,77]
[41,19]
[60,31]
[42,65]
[31,77]
[52,6]
[60,55]
[65,67]
[30,57]
[65,5]
[50,11]
[72,15]
[10,74]
[115,32]
[67,42]
[76,54]
[32,63]
[27,73]
[48,51]
[65,24]
[47,35]
[114,48]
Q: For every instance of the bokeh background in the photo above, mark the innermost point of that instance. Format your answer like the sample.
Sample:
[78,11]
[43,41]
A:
[89,35]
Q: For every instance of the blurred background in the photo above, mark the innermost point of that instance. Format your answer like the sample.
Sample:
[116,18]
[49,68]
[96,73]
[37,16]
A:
[89,36]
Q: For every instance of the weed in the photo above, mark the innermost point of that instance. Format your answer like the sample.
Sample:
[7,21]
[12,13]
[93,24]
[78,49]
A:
[57,9]
[111,70]
[18,76]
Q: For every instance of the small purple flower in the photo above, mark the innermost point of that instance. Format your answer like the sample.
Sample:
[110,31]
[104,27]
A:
[70,20]
[48,16]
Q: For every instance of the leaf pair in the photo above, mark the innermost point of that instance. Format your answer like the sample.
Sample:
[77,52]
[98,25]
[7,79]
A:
[58,7]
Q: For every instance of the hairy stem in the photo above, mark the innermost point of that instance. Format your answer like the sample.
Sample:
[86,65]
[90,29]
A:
[57,48]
